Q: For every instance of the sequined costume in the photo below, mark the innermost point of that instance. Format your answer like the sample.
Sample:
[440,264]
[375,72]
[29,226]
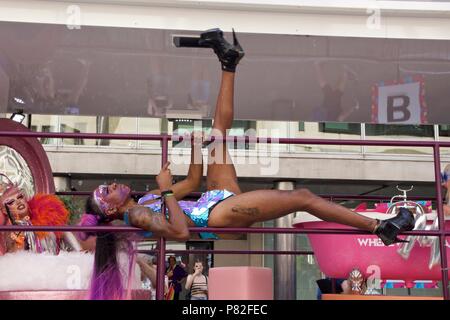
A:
[198,211]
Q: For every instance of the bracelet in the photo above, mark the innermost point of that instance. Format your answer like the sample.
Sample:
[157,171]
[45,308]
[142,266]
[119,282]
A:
[166,193]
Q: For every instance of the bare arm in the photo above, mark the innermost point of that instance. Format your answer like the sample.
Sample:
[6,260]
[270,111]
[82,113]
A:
[189,281]
[175,227]
[446,210]
[194,177]
[195,172]
[147,270]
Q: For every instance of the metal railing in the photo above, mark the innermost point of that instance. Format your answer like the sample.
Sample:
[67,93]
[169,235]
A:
[164,138]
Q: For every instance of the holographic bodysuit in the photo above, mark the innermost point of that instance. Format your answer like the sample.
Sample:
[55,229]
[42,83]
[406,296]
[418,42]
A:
[198,211]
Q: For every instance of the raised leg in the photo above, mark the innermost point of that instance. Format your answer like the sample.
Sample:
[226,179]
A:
[221,172]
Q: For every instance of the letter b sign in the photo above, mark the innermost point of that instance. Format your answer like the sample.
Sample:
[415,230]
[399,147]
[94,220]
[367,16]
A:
[399,103]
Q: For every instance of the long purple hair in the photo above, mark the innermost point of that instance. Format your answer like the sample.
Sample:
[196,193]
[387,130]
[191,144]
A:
[107,282]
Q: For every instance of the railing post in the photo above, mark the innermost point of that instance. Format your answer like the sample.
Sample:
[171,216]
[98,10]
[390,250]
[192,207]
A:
[161,270]
[441,217]
[285,266]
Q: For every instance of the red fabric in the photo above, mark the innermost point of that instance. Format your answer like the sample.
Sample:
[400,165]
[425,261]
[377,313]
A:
[170,293]
[48,210]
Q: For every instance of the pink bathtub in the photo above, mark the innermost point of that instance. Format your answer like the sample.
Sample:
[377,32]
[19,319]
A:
[337,255]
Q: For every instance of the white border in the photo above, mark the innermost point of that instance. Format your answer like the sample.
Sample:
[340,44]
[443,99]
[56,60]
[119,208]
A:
[399,19]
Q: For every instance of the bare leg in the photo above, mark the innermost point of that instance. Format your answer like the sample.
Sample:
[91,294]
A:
[221,173]
[256,206]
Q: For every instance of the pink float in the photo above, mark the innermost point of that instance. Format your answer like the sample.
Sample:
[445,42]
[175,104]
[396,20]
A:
[337,255]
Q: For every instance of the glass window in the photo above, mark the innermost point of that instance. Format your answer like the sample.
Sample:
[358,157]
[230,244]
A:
[239,129]
[78,124]
[45,123]
[301,126]
[444,130]
[118,125]
[338,127]
[327,130]
[444,135]
[99,124]
[181,126]
[274,129]
[151,126]
[399,132]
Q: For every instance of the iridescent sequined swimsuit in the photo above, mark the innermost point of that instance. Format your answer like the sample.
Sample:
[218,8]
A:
[198,211]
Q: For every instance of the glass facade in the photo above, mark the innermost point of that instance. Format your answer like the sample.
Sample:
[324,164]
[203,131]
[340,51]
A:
[269,129]
[400,132]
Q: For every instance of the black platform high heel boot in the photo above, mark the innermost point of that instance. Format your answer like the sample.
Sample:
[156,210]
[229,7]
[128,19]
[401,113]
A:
[388,229]
[229,55]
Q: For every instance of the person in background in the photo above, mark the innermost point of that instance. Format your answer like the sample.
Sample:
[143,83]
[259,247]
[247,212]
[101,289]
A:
[148,275]
[175,273]
[331,108]
[445,175]
[16,208]
[197,283]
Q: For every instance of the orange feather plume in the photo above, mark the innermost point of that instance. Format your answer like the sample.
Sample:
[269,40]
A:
[48,210]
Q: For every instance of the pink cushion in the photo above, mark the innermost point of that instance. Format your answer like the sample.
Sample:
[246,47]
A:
[240,283]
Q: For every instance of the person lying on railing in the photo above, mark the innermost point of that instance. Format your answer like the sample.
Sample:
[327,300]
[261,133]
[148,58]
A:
[223,205]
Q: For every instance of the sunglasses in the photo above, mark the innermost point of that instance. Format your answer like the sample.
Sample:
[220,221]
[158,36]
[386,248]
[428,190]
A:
[99,197]
[103,190]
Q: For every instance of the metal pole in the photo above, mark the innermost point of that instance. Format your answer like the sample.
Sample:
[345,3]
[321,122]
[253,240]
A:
[441,217]
[285,272]
[161,270]
[16,228]
[331,197]
[215,251]
[116,136]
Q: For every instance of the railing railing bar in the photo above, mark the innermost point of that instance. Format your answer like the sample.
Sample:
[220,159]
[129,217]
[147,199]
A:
[102,229]
[161,270]
[214,251]
[195,195]
[247,139]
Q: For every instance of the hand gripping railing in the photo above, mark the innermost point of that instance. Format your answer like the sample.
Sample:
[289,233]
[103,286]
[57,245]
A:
[164,138]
